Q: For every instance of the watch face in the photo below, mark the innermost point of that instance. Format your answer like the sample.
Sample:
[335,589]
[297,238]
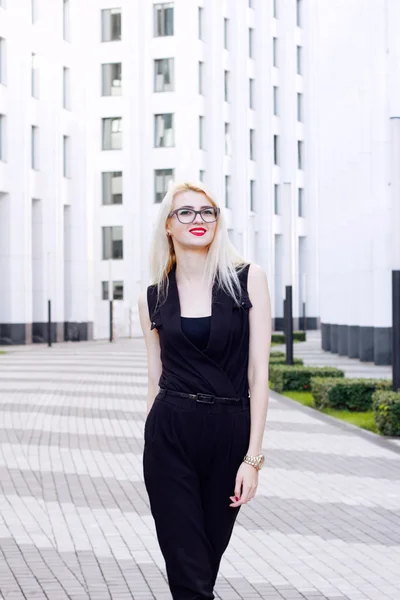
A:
[261,462]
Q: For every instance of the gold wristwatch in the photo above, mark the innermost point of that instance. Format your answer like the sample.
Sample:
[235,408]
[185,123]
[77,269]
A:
[255,461]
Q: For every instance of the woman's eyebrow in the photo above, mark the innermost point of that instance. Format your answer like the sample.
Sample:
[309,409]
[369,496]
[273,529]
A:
[190,206]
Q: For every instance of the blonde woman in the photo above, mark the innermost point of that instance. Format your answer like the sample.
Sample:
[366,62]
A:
[206,321]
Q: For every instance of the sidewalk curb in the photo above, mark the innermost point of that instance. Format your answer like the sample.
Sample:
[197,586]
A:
[383,442]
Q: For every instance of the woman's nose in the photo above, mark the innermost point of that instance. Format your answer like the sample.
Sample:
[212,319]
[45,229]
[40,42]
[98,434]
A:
[198,219]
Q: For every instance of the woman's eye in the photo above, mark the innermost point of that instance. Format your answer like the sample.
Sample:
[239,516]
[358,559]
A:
[184,212]
[208,211]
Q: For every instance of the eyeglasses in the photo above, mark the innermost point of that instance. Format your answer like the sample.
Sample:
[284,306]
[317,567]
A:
[188,215]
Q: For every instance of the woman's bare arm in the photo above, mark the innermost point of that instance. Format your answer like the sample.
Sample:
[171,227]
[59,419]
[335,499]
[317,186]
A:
[153,350]
[259,349]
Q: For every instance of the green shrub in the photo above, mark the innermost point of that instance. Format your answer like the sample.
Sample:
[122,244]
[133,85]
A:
[276,354]
[285,377]
[386,407]
[346,394]
[279,338]
[282,361]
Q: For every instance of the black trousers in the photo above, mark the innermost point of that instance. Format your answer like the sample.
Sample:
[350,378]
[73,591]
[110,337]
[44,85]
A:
[191,456]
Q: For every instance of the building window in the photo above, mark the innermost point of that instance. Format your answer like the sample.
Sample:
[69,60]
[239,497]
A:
[300,107]
[276,199]
[301,204]
[163,19]
[298,12]
[275,51]
[2,137]
[201,175]
[2,61]
[66,157]
[226,33]
[252,196]
[34,13]
[251,42]
[118,290]
[226,86]
[111,187]
[66,88]
[201,77]
[251,93]
[300,152]
[66,32]
[275,8]
[276,112]
[299,60]
[164,130]
[111,79]
[276,150]
[112,133]
[111,25]
[162,179]
[227,191]
[34,75]
[228,145]
[164,75]
[34,147]
[201,132]
[252,146]
[201,24]
[113,243]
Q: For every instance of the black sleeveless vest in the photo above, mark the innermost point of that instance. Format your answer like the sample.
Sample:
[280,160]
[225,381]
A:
[221,368]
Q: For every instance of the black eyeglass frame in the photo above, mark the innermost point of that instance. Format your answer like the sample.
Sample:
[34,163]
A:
[216,210]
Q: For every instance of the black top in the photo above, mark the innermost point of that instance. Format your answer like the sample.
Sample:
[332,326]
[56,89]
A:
[219,368]
[197,330]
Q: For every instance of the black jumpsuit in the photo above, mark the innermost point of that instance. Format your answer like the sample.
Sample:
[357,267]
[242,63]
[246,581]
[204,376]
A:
[194,447]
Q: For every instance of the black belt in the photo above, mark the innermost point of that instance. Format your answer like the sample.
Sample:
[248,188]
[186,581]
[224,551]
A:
[203,398]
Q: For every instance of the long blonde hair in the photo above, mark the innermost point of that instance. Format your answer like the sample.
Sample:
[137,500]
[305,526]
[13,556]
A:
[222,257]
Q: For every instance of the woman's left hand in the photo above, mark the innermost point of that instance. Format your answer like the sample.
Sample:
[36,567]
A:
[245,486]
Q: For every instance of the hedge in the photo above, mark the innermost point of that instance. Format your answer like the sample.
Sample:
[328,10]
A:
[279,338]
[349,394]
[282,361]
[298,378]
[276,354]
[386,406]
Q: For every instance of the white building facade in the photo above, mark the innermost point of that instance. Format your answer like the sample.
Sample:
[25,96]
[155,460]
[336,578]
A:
[191,89]
[44,238]
[358,70]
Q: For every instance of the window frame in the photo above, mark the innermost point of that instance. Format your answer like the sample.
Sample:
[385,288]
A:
[163,31]
[107,178]
[158,137]
[252,149]
[109,78]
[276,199]
[276,100]
[107,26]
[164,173]
[251,42]
[112,240]
[120,131]
[276,149]
[171,63]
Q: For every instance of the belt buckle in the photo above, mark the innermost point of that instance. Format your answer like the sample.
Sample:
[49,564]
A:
[198,396]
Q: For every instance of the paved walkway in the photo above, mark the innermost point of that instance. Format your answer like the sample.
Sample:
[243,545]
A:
[74,514]
[310,351]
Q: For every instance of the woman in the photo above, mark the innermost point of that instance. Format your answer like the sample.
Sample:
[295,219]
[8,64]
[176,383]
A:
[206,321]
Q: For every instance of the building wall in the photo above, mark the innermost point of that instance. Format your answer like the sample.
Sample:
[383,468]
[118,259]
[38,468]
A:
[51,244]
[43,224]
[352,69]
[253,232]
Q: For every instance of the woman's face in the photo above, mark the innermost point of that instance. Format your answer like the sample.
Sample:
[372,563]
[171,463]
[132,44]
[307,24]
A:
[198,234]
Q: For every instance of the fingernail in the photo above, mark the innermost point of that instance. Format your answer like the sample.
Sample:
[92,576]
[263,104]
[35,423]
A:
[236,498]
